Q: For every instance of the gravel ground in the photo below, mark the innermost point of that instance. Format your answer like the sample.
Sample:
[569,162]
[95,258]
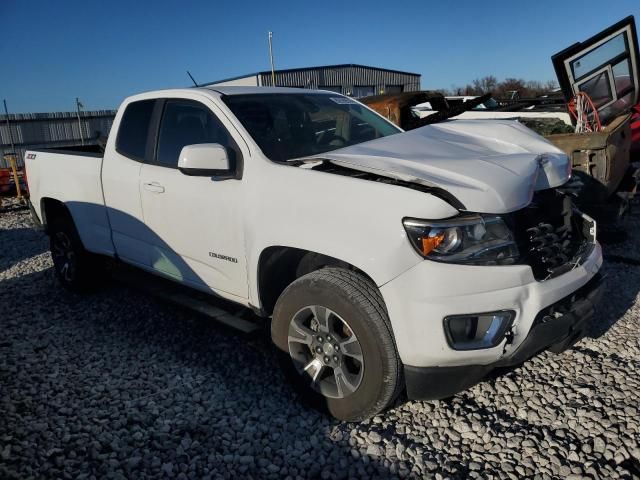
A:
[118,385]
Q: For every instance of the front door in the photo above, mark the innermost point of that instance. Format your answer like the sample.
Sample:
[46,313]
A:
[196,222]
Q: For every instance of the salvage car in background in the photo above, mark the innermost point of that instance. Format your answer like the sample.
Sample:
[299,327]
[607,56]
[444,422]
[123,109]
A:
[605,67]
[492,110]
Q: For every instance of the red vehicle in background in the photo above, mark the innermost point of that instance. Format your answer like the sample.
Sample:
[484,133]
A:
[8,179]
[635,134]
[7,185]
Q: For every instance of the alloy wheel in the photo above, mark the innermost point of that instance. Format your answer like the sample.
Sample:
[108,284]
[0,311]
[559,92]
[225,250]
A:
[326,351]
[64,257]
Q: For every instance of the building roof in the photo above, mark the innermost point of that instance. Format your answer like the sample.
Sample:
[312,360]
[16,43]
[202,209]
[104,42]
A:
[303,69]
[249,90]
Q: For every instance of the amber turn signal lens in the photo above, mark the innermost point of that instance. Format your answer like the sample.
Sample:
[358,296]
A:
[429,243]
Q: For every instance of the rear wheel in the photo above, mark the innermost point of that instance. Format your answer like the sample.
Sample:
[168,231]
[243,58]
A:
[76,269]
[337,344]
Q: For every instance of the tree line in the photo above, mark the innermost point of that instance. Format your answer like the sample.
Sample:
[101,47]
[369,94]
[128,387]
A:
[504,89]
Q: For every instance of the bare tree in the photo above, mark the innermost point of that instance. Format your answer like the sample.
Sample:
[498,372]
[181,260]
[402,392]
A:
[533,88]
[471,90]
[510,85]
[506,89]
[551,85]
[485,84]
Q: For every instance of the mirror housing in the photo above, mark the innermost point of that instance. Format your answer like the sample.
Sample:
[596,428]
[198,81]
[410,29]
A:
[205,160]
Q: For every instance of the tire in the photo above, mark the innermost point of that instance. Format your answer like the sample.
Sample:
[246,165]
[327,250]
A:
[339,308]
[75,268]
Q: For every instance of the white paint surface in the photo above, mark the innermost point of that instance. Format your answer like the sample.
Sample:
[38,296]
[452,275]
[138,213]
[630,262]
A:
[489,166]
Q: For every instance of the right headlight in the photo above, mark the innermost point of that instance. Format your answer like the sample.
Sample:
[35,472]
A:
[472,240]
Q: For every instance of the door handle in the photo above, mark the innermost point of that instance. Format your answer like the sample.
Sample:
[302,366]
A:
[154,187]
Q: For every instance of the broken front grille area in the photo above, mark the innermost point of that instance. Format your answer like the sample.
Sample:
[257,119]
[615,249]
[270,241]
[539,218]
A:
[552,236]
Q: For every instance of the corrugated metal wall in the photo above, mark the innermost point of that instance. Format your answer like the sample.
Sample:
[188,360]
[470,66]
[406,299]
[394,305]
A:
[346,77]
[50,130]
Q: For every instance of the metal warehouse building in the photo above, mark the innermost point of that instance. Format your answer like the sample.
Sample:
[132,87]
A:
[348,79]
[22,131]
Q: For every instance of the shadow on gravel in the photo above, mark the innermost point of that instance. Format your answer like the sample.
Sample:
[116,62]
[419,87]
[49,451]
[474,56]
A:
[615,303]
[17,244]
[12,205]
[119,384]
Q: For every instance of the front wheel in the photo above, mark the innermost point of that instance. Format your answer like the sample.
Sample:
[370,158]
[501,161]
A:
[337,344]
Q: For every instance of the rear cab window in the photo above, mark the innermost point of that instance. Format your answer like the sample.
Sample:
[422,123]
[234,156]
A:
[133,132]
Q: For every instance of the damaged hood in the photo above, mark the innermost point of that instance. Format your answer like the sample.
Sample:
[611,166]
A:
[489,166]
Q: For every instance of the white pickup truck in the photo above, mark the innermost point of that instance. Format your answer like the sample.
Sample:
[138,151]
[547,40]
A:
[386,261]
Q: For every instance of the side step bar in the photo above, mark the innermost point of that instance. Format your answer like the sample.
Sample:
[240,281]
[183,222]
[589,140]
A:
[219,315]
[172,292]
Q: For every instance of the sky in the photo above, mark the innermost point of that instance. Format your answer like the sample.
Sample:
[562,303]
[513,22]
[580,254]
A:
[103,51]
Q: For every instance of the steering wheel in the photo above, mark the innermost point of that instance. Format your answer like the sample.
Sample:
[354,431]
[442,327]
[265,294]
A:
[328,138]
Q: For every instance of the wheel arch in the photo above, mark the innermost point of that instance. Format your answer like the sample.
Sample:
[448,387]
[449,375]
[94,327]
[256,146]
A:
[279,266]
[51,208]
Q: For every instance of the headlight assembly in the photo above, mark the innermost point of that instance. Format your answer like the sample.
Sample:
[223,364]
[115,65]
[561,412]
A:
[473,240]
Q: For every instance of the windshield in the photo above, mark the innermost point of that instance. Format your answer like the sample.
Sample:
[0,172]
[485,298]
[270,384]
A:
[294,125]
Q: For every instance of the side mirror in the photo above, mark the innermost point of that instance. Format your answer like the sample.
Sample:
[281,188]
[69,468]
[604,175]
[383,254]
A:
[205,160]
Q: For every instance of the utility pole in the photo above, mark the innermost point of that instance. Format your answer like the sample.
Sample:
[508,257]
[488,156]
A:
[78,107]
[12,157]
[273,72]
[6,116]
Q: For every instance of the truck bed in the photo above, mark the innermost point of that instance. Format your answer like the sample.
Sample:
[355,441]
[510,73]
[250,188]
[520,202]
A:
[72,176]
[84,150]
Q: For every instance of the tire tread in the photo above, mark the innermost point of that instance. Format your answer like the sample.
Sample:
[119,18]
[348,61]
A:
[364,293]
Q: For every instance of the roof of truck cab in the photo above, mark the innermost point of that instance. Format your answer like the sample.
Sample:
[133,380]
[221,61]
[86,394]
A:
[217,91]
[253,90]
